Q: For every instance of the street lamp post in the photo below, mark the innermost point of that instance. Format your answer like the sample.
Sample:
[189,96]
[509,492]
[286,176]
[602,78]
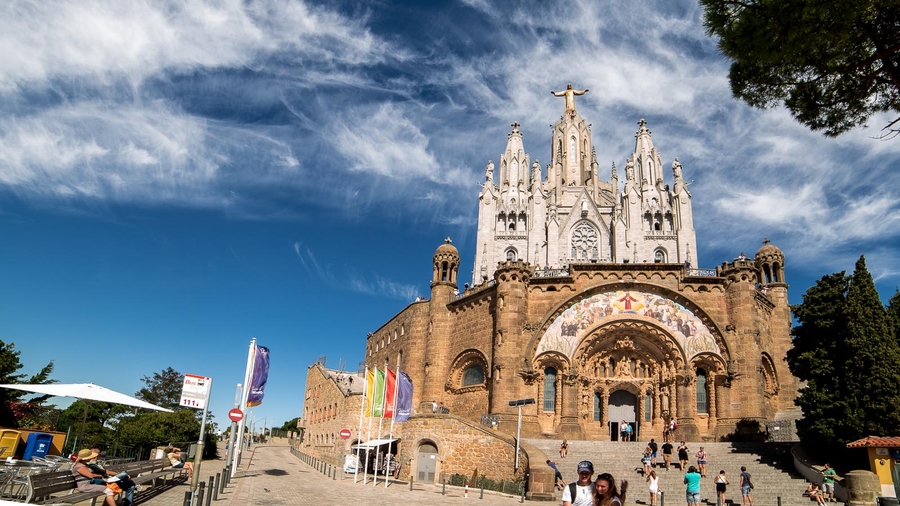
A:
[519,403]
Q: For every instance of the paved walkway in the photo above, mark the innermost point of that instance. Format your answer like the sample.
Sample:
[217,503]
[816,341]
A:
[272,475]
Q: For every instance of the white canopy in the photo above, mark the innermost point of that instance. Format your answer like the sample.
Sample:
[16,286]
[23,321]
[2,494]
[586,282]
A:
[375,443]
[85,391]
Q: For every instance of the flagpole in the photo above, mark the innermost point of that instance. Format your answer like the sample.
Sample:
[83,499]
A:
[381,421]
[394,412]
[362,407]
[369,430]
[239,443]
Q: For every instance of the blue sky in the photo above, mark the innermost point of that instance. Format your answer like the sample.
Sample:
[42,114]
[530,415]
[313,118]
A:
[178,177]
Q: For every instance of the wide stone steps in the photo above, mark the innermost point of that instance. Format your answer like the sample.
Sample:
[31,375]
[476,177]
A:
[770,465]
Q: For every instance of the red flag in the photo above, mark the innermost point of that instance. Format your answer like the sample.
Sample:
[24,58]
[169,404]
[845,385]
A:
[390,393]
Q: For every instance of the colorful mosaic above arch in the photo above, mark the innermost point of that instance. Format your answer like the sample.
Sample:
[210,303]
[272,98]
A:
[566,331]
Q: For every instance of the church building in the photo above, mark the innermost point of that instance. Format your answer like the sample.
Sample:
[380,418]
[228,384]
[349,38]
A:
[586,295]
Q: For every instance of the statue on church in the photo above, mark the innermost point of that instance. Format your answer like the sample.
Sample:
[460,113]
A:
[569,93]
[676,168]
[629,169]
[489,171]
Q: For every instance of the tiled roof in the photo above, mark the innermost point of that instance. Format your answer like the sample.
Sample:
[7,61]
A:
[872,441]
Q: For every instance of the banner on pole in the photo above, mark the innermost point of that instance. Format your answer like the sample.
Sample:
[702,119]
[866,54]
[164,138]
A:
[390,380]
[378,394]
[370,386]
[260,376]
[404,397]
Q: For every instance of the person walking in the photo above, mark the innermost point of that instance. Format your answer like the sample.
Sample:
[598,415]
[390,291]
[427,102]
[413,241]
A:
[557,476]
[667,454]
[581,492]
[683,455]
[828,476]
[645,460]
[563,448]
[721,486]
[655,448]
[653,480]
[701,461]
[746,486]
[606,493]
[692,486]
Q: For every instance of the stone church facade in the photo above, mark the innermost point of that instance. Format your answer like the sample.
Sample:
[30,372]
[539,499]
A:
[584,297]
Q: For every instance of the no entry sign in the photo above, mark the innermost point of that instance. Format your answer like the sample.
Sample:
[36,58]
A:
[235,415]
[345,433]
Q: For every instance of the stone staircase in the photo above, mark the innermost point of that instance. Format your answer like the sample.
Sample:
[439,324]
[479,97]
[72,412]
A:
[770,465]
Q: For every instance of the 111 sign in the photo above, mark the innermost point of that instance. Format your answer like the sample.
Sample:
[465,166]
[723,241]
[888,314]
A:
[195,391]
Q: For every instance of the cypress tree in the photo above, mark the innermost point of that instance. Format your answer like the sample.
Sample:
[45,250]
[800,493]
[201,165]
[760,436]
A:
[815,358]
[869,361]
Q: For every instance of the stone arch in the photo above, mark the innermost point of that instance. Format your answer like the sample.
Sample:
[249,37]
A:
[547,335]
[770,375]
[464,360]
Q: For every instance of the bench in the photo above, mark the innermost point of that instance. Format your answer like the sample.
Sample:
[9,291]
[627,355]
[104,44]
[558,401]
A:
[41,487]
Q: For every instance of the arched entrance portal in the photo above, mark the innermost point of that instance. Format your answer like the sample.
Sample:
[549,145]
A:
[630,354]
[622,409]
[426,463]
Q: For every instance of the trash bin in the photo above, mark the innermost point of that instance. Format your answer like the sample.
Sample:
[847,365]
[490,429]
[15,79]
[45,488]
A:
[9,443]
[888,501]
[37,445]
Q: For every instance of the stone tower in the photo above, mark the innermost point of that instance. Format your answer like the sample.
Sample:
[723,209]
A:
[569,215]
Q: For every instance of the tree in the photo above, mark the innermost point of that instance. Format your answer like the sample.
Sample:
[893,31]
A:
[845,350]
[833,63]
[813,357]
[163,389]
[894,313]
[157,428]
[13,409]
[290,425]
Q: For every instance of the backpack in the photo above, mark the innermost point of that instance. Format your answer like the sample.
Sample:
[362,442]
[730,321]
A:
[674,425]
[573,491]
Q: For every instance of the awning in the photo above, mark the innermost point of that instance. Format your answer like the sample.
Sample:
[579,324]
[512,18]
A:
[375,443]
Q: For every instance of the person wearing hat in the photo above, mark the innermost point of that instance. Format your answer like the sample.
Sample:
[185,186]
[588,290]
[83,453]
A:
[581,492]
[124,481]
[84,475]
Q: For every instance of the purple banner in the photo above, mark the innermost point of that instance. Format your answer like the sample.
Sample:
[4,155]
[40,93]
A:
[404,397]
[259,378]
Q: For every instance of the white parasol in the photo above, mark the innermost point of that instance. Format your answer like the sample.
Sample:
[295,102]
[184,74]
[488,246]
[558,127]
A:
[85,392]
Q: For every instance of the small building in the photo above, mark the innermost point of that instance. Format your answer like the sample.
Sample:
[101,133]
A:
[884,459]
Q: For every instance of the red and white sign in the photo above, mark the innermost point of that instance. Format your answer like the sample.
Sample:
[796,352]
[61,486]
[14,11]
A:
[235,415]
[345,433]
[195,391]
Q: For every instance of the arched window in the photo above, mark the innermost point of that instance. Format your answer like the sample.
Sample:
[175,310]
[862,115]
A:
[549,389]
[511,255]
[597,410]
[473,375]
[702,398]
[659,257]
[648,407]
[572,149]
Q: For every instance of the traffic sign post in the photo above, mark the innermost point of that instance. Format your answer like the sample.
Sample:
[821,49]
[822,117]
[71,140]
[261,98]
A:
[345,433]
[195,394]
[235,415]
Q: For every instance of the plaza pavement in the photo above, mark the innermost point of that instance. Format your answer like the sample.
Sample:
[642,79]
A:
[271,475]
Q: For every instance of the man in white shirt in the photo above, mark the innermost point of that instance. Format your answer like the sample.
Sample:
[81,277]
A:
[584,487]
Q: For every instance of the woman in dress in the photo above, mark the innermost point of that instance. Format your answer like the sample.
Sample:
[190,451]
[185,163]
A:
[645,459]
[721,484]
[606,493]
[653,480]
[683,455]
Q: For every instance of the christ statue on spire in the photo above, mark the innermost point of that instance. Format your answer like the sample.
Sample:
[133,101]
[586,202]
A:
[569,93]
